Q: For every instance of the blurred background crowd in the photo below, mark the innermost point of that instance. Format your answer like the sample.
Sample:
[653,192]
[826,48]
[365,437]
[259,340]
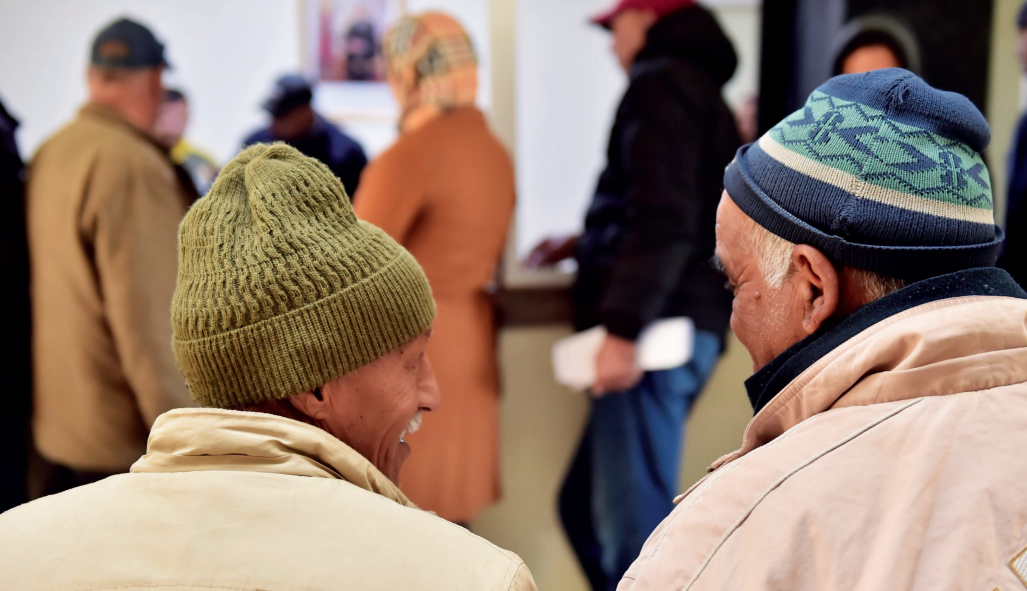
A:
[592,137]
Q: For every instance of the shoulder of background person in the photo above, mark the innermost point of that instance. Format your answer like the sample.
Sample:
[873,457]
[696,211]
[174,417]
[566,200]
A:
[342,142]
[184,149]
[406,151]
[117,141]
[105,144]
[461,126]
[260,136]
[472,122]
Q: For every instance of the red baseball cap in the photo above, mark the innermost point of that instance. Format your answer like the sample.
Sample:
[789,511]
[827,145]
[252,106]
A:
[660,7]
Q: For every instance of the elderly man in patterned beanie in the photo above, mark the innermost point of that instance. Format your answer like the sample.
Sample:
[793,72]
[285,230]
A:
[302,331]
[890,359]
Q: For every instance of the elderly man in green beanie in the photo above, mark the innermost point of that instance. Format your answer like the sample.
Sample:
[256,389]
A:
[301,330]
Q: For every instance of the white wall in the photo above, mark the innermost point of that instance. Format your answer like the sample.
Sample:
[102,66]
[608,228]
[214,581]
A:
[568,86]
[226,55]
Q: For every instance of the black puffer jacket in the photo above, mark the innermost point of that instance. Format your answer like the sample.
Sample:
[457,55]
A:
[649,232]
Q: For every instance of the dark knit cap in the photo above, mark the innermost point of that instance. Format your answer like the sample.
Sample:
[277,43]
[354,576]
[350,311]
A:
[879,171]
[1021,17]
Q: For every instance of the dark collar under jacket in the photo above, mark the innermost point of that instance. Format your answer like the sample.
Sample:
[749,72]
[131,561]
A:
[986,281]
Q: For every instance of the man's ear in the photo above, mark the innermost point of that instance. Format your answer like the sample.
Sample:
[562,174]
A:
[312,404]
[818,283]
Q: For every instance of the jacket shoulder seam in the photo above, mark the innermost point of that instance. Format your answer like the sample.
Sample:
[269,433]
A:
[511,574]
[717,475]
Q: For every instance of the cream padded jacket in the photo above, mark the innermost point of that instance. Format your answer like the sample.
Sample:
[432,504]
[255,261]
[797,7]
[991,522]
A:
[896,461]
[227,501]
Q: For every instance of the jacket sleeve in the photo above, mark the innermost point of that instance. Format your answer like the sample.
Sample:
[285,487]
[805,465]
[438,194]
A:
[660,148]
[138,209]
[389,196]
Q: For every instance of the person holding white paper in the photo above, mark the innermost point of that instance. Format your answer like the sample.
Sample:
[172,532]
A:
[643,258]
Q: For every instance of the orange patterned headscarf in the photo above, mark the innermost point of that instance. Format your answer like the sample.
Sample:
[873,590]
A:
[432,66]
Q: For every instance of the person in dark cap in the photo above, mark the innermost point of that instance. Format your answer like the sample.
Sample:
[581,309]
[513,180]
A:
[1014,255]
[294,121]
[642,258]
[104,203]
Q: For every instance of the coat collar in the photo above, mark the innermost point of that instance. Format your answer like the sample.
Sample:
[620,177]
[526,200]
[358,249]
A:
[764,385]
[946,335]
[113,118]
[192,440]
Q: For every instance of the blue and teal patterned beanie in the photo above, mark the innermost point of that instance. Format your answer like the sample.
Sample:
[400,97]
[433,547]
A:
[880,172]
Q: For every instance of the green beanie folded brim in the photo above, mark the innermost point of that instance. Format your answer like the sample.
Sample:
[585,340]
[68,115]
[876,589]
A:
[281,289]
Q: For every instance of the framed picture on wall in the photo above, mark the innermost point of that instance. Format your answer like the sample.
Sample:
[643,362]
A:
[342,58]
[343,38]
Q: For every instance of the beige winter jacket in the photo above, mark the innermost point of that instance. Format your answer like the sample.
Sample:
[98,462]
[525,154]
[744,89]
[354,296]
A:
[227,500]
[103,211]
[897,460]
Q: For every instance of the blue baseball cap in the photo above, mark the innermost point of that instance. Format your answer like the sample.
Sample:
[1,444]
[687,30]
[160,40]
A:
[290,91]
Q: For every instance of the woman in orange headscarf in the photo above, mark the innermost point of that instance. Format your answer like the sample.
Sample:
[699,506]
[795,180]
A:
[445,190]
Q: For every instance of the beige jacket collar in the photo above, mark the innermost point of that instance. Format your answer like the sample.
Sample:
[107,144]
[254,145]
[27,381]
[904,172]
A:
[943,347]
[190,440]
[112,118]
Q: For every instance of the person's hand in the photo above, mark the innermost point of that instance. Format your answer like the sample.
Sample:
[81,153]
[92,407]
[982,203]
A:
[550,251]
[616,367]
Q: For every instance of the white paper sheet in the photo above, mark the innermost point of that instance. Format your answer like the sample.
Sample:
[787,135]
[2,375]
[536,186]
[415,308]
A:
[664,344]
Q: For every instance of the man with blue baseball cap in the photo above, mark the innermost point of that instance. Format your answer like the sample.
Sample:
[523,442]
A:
[104,205]
[295,122]
[890,357]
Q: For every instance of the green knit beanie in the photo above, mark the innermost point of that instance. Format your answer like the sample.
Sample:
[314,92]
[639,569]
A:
[281,289]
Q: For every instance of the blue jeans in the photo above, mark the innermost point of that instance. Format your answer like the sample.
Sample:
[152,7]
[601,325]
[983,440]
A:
[624,476]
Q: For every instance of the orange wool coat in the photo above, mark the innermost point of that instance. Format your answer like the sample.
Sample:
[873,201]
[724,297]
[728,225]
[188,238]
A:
[445,190]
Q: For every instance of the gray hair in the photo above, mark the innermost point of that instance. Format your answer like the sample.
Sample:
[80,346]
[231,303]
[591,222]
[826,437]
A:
[774,255]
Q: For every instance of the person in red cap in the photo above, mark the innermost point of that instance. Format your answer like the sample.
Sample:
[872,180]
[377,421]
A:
[643,257]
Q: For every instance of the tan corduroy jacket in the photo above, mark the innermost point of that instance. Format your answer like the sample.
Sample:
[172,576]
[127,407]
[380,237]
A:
[232,500]
[896,461]
[103,212]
